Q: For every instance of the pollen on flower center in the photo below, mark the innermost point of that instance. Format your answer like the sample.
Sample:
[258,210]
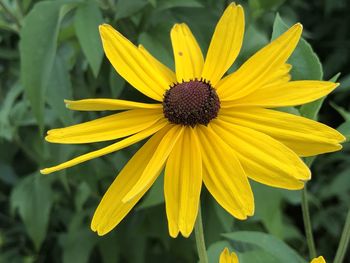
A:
[190,103]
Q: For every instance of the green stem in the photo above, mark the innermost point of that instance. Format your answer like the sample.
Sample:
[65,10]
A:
[307,224]
[344,241]
[200,243]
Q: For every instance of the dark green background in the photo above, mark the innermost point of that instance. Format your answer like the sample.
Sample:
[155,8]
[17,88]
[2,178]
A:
[50,50]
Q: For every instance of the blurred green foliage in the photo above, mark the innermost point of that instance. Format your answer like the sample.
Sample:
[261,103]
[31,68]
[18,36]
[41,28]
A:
[50,50]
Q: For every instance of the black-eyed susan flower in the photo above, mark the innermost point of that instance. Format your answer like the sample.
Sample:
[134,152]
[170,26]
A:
[205,126]
[226,257]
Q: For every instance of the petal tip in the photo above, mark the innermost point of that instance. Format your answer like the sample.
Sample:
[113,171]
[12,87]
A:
[232,5]
[50,138]
[175,26]
[173,234]
[101,230]
[101,233]
[44,171]
[297,29]
[251,211]
[302,185]
[93,227]
[67,103]
[299,26]
[104,25]
[186,234]
[308,175]
[106,29]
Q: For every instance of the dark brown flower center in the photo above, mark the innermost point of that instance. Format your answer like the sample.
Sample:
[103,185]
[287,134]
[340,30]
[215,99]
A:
[190,103]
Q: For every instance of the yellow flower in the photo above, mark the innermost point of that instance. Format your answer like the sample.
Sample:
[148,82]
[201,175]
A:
[226,257]
[205,127]
[320,259]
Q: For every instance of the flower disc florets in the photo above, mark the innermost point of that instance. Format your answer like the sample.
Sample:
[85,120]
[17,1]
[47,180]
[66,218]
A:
[190,103]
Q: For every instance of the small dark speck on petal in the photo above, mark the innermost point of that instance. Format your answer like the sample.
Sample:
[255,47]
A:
[180,53]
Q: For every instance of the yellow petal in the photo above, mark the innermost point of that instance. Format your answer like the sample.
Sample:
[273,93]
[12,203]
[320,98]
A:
[109,149]
[261,67]
[107,104]
[320,259]
[182,184]
[224,176]
[168,73]
[107,128]
[225,44]
[156,163]
[279,76]
[303,136]
[111,209]
[287,94]
[226,257]
[187,53]
[263,159]
[132,65]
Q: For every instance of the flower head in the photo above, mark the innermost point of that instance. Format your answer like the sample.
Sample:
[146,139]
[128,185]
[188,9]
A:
[205,127]
[320,259]
[226,257]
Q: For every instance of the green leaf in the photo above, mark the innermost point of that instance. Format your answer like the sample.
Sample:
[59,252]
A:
[153,2]
[167,4]
[126,8]
[344,84]
[77,245]
[116,83]
[33,199]
[110,253]
[38,46]
[345,129]
[7,174]
[339,186]
[291,110]
[86,21]
[58,89]
[259,7]
[265,4]
[156,48]
[226,219]
[268,243]
[258,256]
[345,114]
[311,110]
[306,64]
[269,212]
[6,129]
[83,193]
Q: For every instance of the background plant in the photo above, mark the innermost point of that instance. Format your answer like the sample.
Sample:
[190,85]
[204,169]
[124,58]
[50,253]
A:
[51,50]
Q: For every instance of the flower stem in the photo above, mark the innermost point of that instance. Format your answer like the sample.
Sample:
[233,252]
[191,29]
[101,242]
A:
[307,223]
[200,243]
[344,241]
